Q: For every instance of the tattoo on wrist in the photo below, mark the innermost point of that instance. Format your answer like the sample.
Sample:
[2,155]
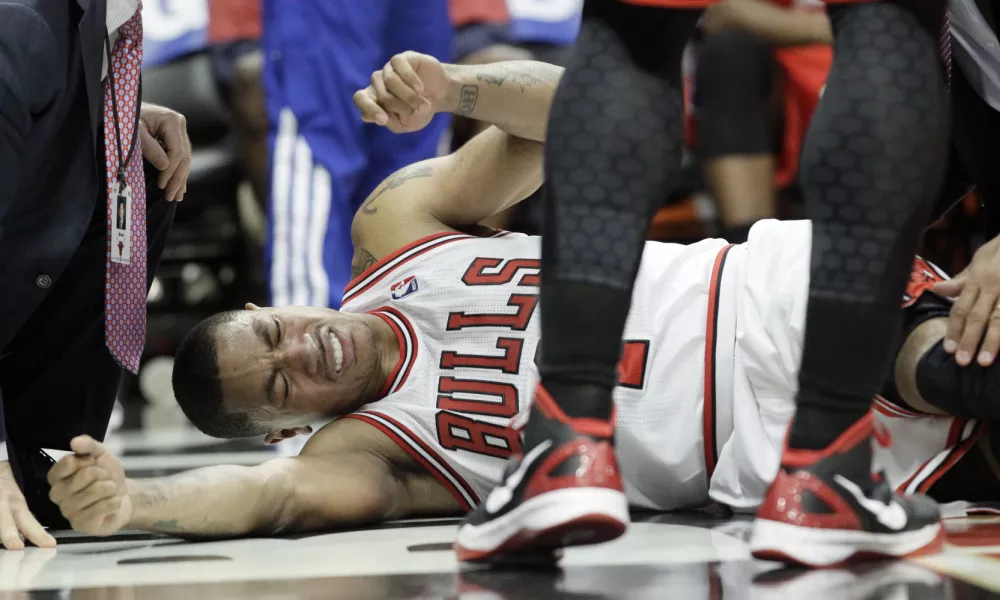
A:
[467,103]
[362,263]
[394,182]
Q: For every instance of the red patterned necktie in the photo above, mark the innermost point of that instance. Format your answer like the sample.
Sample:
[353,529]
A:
[125,284]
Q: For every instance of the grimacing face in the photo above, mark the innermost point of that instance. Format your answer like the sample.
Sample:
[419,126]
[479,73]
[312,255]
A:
[297,363]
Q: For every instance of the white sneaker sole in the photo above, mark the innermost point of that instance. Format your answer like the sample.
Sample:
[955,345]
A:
[556,519]
[816,547]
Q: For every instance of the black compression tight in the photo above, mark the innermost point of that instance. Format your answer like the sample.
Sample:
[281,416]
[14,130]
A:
[615,142]
[871,165]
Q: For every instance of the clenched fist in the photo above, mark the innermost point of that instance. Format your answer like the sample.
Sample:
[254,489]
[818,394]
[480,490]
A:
[405,94]
[89,488]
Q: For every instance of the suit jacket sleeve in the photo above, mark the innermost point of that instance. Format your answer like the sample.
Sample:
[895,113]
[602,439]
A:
[29,78]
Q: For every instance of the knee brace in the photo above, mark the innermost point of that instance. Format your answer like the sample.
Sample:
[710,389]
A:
[971,392]
[732,86]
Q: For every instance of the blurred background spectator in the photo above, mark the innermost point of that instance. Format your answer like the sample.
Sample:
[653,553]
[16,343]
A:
[761,69]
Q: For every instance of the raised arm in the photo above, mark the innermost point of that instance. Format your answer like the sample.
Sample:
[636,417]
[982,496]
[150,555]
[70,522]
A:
[412,87]
[495,170]
[348,474]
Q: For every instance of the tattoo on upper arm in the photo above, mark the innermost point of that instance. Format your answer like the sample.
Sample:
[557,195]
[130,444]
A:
[394,182]
[362,262]
[470,95]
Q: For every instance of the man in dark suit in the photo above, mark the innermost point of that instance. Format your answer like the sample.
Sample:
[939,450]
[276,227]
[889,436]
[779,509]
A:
[71,313]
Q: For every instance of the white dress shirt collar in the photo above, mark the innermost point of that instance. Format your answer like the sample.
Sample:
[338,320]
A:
[120,11]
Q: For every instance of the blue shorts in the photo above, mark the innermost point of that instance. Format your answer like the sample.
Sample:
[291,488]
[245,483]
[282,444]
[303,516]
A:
[324,160]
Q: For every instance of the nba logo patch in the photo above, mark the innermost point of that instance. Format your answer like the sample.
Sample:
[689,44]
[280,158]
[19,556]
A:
[403,288]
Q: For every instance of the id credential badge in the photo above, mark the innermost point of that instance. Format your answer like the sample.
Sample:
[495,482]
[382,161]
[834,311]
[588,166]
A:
[121,226]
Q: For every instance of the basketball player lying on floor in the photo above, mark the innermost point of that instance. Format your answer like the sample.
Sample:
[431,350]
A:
[429,366]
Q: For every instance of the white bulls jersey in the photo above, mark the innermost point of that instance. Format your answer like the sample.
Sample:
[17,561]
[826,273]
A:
[713,339]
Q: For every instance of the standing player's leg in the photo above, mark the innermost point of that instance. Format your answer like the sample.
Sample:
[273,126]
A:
[615,141]
[872,163]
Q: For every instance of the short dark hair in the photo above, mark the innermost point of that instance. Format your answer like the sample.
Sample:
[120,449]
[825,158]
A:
[198,384]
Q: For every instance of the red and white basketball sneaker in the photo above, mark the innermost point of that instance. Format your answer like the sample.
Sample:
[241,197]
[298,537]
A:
[564,491]
[825,508]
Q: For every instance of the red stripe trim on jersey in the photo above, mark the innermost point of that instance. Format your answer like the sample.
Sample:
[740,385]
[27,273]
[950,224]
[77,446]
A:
[711,335]
[955,433]
[887,411]
[937,463]
[901,488]
[890,409]
[955,456]
[382,268]
[408,347]
[423,454]
[715,589]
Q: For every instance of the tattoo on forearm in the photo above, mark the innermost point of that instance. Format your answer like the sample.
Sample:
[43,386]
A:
[150,493]
[392,183]
[171,526]
[180,504]
[470,95]
[492,78]
[521,77]
[362,263]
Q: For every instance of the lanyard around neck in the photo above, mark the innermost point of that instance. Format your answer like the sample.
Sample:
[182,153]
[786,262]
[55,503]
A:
[114,115]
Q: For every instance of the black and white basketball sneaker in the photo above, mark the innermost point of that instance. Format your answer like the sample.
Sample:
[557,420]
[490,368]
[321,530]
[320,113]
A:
[825,508]
[563,491]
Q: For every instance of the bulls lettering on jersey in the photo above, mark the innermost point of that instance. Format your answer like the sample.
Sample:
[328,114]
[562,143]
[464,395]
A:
[460,392]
